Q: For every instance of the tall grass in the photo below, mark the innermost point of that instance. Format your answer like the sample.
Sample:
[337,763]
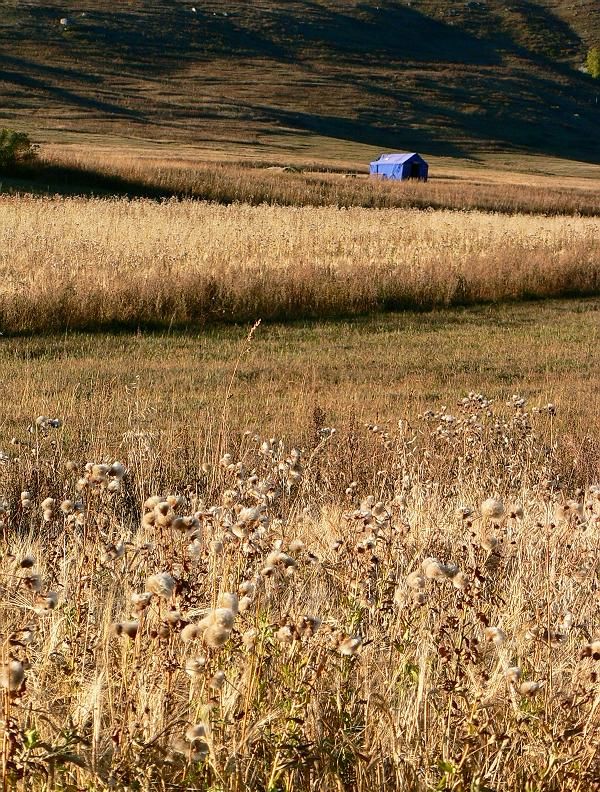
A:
[81,263]
[242,182]
[413,608]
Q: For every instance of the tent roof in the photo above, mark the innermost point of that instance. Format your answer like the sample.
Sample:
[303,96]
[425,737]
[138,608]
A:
[397,159]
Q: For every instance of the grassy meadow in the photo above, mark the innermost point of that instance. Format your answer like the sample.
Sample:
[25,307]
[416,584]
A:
[84,264]
[352,546]
[330,617]
[312,178]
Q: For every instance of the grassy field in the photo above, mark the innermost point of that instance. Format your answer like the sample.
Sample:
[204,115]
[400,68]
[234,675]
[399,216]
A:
[456,184]
[444,78]
[345,548]
[107,263]
[379,639]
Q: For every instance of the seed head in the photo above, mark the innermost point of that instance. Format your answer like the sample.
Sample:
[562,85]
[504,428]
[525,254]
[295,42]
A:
[284,635]
[128,628]
[495,635]
[216,636]
[141,601]
[161,585]
[33,582]
[218,680]
[151,502]
[189,633]
[117,469]
[228,600]
[223,617]
[195,732]
[591,650]
[415,580]
[433,569]
[513,674]
[419,598]
[492,508]
[245,604]
[247,588]
[350,646]
[530,688]
[194,666]
[44,603]
[12,675]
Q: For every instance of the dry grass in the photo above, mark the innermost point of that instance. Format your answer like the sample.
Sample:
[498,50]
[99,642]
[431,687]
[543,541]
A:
[421,699]
[305,184]
[90,264]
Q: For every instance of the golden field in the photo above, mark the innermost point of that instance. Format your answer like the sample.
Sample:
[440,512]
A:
[496,185]
[349,547]
[79,263]
[385,637]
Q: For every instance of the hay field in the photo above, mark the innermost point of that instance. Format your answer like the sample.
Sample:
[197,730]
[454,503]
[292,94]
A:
[79,263]
[408,602]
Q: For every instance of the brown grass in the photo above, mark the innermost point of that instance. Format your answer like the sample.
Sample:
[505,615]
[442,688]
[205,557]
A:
[91,264]
[305,184]
[425,702]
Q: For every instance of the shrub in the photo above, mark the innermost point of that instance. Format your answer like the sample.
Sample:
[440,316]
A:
[593,62]
[15,148]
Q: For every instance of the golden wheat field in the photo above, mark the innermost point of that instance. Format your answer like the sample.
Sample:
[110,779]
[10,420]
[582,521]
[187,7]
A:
[79,263]
[349,547]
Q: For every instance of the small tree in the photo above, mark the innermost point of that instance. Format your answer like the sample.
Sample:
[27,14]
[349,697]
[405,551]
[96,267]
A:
[593,62]
[15,148]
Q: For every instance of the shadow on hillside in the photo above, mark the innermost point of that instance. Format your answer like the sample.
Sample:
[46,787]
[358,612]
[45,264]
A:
[63,94]
[441,109]
[367,133]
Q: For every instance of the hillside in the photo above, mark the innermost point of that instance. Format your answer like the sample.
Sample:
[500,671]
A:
[449,78]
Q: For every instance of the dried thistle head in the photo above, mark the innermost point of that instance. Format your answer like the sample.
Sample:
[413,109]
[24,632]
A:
[218,681]
[495,635]
[415,580]
[189,633]
[228,601]
[591,650]
[513,674]
[45,603]
[216,636]
[194,666]
[349,645]
[161,585]
[127,628]
[492,509]
[433,569]
[141,601]
[530,688]
[12,675]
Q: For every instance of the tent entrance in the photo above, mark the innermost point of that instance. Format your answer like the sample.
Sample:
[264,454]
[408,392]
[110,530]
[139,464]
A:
[415,171]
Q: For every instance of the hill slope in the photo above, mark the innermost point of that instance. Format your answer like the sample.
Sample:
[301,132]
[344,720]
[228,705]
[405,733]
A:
[446,77]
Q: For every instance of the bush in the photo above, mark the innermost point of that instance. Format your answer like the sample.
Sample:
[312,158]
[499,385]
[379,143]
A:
[593,62]
[15,148]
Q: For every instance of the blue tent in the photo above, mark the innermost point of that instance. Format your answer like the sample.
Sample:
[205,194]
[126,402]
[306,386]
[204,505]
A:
[400,166]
